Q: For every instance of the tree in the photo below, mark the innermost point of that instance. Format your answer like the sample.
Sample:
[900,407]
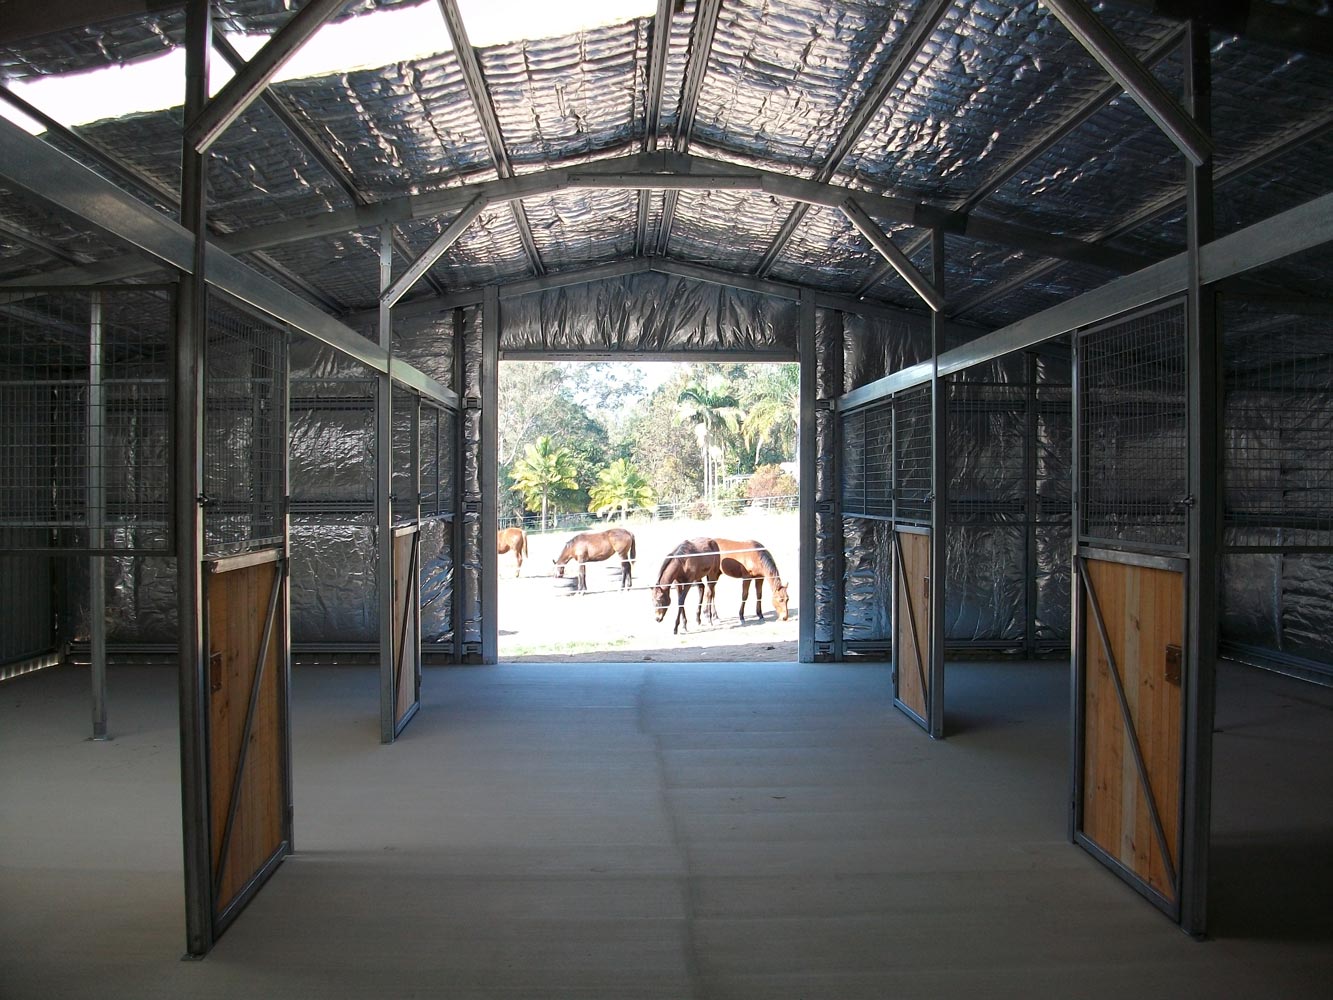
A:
[543,470]
[771,408]
[711,409]
[619,486]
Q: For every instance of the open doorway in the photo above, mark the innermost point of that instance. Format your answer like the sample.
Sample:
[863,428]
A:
[646,456]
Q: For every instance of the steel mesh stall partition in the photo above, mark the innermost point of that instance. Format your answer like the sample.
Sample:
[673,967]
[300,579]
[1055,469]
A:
[84,420]
[1278,497]
[867,508]
[245,421]
[439,430]
[912,489]
[1132,678]
[1132,415]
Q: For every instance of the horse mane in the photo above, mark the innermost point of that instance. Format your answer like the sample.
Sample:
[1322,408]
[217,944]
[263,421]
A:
[667,562]
[769,567]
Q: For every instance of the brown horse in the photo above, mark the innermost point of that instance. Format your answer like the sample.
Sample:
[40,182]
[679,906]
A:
[596,546]
[749,560]
[690,562]
[513,540]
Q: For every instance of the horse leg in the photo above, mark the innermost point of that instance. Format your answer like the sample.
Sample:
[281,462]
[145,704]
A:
[626,577]
[583,576]
[518,558]
[745,595]
[681,617]
[759,597]
[712,600]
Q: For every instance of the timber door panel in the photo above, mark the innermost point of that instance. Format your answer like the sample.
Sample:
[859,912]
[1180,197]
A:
[246,728]
[1133,724]
[406,625]
[912,625]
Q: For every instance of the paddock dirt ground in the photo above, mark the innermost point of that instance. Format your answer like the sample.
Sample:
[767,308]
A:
[542,621]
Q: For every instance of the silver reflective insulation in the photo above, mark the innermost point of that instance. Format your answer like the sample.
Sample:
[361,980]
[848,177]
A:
[467,575]
[647,313]
[828,539]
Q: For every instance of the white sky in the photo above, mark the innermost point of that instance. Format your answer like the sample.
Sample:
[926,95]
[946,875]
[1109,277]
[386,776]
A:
[378,39]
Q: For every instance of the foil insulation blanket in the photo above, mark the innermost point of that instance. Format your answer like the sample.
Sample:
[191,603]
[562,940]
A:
[732,226]
[582,227]
[947,127]
[826,250]
[828,482]
[560,98]
[878,345]
[648,313]
[26,589]
[784,76]
[867,580]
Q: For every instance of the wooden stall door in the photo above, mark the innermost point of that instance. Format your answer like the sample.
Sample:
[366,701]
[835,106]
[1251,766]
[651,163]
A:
[912,627]
[1133,726]
[406,626]
[247,719]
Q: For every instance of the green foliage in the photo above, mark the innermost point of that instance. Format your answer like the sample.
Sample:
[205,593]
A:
[713,412]
[619,487]
[772,401]
[543,470]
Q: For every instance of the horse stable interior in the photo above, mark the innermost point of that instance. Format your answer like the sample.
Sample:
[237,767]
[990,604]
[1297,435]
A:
[1056,275]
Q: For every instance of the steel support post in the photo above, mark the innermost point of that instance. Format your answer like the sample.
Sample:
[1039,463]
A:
[187,494]
[489,472]
[96,517]
[808,443]
[939,496]
[1030,561]
[459,597]
[284,637]
[383,495]
[1204,368]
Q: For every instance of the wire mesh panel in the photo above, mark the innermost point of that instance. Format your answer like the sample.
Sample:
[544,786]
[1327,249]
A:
[1279,430]
[853,462]
[911,455]
[438,427]
[1134,431]
[245,413]
[867,466]
[404,484]
[84,419]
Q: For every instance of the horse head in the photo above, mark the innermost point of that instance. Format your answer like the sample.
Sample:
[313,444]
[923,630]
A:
[559,567]
[661,601]
[780,600]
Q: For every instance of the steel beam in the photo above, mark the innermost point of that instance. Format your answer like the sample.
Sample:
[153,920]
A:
[488,473]
[1137,80]
[384,590]
[918,33]
[97,460]
[1290,232]
[867,227]
[46,173]
[244,88]
[658,46]
[475,83]
[390,295]
[696,68]
[1282,27]
[807,457]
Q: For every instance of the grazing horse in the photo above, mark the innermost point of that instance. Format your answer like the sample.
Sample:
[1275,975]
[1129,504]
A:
[596,546]
[513,540]
[749,560]
[690,562]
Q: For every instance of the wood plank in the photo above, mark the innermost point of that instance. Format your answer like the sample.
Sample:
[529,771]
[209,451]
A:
[914,592]
[237,608]
[1143,612]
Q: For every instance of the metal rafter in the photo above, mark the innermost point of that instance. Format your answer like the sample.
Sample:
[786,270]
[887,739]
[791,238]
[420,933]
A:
[1163,205]
[309,142]
[696,68]
[1034,151]
[917,35]
[1137,80]
[658,46]
[919,283]
[252,79]
[475,82]
[662,169]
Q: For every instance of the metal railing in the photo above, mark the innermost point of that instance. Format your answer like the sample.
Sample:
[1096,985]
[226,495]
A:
[698,510]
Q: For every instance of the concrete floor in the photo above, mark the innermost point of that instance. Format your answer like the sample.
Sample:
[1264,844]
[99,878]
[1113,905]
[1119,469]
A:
[657,830]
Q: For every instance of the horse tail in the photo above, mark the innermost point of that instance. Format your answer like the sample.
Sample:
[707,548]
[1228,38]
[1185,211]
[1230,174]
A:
[633,555]
[522,543]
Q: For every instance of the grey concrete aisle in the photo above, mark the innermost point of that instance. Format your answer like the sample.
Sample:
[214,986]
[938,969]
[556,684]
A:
[751,830]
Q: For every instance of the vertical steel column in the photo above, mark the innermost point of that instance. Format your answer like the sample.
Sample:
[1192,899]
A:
[187,494]
[807,458]
[1204,373]
[939,497]
[416,517]
[285,598]
[1077,611]
[383,495]
[1030,508]
[96,517]
[488,472]
[458,598]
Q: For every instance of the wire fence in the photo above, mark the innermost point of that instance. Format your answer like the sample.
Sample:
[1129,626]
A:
[689,510]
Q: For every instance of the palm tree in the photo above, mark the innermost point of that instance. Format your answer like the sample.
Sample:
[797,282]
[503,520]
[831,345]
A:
[542,471]
[771,413]
[711,409]
[619,486]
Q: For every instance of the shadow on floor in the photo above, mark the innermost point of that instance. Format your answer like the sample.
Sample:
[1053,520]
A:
[1272,890]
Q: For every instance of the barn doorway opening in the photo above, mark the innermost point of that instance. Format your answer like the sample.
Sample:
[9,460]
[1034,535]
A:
[606,468]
